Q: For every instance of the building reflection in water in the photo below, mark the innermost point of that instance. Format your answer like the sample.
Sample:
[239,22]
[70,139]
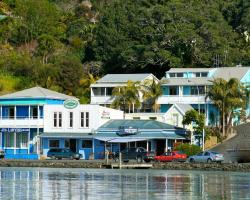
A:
[74,184]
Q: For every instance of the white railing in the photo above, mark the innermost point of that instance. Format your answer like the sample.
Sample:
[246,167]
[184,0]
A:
[101,99]
[8,122]
[187,99]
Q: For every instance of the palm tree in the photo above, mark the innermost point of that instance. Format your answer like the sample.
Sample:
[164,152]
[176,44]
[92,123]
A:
[228,96]
[151,92]
[126,96]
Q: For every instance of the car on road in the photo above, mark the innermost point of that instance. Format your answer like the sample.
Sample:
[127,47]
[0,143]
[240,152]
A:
[60,153]
[174,156]
[207,157]
[139,154]
[2,154]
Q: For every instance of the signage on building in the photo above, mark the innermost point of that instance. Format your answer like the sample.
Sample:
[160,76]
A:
[70,103]
[105,115]
[127,130]
[11,130]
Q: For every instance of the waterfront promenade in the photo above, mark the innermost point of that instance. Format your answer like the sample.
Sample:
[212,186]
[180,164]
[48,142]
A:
[241,167]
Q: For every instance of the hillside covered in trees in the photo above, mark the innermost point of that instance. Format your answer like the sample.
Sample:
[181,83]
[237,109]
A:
[65,45]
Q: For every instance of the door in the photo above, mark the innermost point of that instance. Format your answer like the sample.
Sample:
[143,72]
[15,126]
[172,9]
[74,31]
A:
[160,147]
[72,145]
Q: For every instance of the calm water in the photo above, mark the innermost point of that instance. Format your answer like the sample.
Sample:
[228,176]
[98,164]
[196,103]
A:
[43,183]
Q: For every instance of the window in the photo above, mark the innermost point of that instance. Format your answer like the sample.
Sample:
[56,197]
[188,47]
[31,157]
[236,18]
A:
[9,140]
[53,143]
[102,91]
[136,118]
[21,140]
[57,120]
[11,112]
[34,112]
[197,74]
[60,119]
[87,119]
[173,90]
[66,143]
[197,90]
[204,74]
[179,74]
[87,143]
[71,119]
[175,119]
[84,119]
[152,118]
[109,91]
[172,75]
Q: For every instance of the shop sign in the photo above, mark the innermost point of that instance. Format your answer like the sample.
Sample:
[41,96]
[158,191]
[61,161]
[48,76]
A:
[70,103]
[127,130]
[11,130]
[105,115]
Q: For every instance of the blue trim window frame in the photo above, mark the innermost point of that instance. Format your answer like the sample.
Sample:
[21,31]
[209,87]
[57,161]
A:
[14,140]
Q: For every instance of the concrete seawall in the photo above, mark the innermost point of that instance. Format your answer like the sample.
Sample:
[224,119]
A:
[244,167]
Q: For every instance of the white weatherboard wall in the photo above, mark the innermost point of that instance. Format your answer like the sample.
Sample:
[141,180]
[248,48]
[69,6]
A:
[98,115]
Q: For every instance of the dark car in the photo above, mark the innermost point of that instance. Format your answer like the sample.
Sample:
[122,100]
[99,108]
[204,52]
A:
[59,153]
[139,154]
[2,154]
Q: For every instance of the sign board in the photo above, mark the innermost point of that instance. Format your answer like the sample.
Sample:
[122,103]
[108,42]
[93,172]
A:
[105,115]
[70,103]
[127,130]
[17,130]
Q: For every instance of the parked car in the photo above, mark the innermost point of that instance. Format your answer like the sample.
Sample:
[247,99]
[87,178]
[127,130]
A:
[59,153]
[207,156]
[139,154]
[2,154]
[171,156]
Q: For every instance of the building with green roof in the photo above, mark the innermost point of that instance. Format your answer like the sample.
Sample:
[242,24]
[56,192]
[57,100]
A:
[150,134]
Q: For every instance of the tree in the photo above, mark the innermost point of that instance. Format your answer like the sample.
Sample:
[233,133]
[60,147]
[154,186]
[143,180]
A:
[126,96]
[229,97]
[152,90]
[195,118]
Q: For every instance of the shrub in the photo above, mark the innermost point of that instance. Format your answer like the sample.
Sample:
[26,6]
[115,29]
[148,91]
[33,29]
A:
[188,149]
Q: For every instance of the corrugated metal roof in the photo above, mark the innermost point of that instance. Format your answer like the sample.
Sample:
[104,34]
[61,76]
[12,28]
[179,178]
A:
[184,107]
[37,92]
[140,124]
[230,72]
[123,78]
[173,70]
[66,135]
[188,81]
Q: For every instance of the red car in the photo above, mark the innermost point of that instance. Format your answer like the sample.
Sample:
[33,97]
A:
[171,156]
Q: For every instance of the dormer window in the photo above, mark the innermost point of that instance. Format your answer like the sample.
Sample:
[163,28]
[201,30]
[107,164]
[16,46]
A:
[171,75]
[174,75]
[179,74]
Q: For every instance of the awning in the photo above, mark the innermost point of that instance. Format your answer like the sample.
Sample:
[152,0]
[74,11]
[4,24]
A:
[120,140]
[66,135]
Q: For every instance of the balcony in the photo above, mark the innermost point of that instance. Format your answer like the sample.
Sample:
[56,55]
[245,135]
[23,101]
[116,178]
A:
[187,99]
[6,122]
[101,100]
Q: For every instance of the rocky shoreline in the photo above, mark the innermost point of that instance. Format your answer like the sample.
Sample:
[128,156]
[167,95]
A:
[243,167]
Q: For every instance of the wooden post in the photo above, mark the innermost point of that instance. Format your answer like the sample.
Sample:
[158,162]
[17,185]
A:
[120,160]
[107,157]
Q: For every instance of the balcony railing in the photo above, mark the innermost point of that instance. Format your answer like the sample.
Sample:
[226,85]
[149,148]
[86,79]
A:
[20,121]
[186,99]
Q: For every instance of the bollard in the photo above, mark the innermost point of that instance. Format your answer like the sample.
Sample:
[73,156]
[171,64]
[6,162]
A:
[107,157]
[120,160]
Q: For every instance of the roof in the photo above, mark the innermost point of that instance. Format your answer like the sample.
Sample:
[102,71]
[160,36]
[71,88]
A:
[173,70]
[66,135]
[123,78]
[184,107]
[188,81]
[36,92]
[142,130]
[230,72]
[140,124]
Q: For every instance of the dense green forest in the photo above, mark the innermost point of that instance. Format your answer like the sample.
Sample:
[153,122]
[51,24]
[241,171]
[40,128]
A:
[65,45]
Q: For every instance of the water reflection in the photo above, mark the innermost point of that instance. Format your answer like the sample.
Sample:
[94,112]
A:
[37,183]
